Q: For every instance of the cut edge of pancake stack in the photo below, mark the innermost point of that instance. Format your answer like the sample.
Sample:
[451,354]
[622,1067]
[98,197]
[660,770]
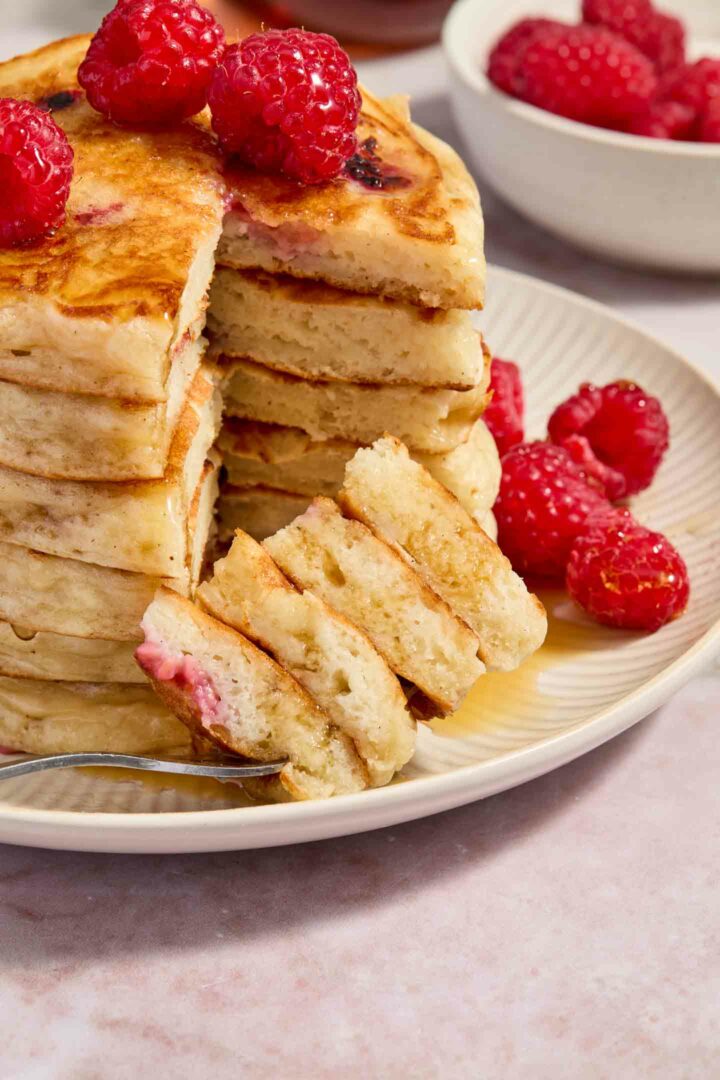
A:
[334,324]
[108,415]
[322,645]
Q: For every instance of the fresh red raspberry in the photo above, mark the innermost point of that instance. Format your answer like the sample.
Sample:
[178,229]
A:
[287,101]
[664,120]
[627,576]
[587,73]
[695,85]
[710,128]
[662,39]
[151,62]
[504,414]
[617,15]
[36,168]
[503,69]
[658,36]
[607,479]
[626,430]
[544,502]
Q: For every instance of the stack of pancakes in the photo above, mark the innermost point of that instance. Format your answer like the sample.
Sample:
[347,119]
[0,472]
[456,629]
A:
[108,415]
[337,313]
[340,312]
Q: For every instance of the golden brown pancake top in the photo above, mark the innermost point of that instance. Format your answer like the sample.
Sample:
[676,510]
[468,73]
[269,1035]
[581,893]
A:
[140,204]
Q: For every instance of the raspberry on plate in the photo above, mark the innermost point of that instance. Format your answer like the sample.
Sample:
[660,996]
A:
[504,414]
[627,576]
[587,73]
[626,429]
[287,101]
[544,503]
[658,36]
[503,69]
[151,62]
[710,128]
[36,169]
[608,479]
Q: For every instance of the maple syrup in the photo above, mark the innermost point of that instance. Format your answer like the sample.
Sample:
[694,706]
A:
[499,696]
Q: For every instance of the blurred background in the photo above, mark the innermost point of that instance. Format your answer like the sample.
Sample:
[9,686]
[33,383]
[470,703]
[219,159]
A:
[399,37]
[368,27]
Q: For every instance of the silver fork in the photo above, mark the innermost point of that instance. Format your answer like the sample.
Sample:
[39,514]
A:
[220,768]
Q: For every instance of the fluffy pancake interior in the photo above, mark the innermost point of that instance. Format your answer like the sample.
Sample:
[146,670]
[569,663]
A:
[329,656]
[403,503]
[231,692]
[359,576]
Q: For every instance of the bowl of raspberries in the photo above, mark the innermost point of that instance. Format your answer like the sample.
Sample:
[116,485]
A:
[598,119]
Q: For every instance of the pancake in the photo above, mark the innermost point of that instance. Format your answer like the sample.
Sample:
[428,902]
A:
[419,238]
[63,717]
[310,329]
[399,499]
[37,655]
[230,692]
[331,658]
[425,418]
[360,576]
[88,437]
[259,511]
[100,306]
[64,596]
[137,525]
[260,456]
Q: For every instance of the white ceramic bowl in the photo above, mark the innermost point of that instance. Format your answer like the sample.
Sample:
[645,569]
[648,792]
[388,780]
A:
[649,202]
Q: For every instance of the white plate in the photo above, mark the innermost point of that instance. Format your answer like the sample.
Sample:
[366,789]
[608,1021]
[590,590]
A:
[585,686]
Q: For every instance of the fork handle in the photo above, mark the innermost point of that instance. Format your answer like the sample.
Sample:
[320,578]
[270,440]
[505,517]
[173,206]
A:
[32,763]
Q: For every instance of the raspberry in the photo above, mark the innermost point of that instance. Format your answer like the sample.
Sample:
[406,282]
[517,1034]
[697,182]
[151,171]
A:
[695,85]
[658,36]
[710,128]
[617,15]
[587,73]
[664,120]
[544,502]
[662,39]
[151,62]
[36,168]
[627,576]
[287,101]
[504,61]
[608,479]
[626,430]
[504,414]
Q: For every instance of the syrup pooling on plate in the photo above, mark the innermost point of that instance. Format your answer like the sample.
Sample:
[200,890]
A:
[199,790]
[506,700]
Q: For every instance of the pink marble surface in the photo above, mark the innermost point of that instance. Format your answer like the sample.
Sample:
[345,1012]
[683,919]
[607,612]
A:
[568,928]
